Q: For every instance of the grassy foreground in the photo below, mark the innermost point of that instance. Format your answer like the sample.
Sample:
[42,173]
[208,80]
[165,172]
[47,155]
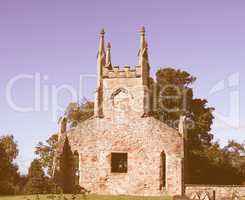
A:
[81,197]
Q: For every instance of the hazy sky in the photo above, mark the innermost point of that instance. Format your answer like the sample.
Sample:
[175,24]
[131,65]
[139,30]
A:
[57,42]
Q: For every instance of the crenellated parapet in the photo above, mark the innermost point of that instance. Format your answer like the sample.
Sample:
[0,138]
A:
[125,72]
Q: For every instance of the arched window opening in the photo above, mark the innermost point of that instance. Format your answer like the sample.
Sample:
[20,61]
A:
[162,170]
[115,93]
[76,165]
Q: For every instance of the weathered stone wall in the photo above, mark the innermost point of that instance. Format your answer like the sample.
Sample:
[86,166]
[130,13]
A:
[143,139]
[221,191]
[126,106]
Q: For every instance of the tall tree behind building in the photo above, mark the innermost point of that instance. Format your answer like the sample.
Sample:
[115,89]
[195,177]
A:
[175,98]
[65,175]
[9,175]
[36,179]
[10,145]
[46,151]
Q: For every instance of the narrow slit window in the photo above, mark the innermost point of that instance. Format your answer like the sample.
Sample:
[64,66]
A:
[162,171]
[119,162]
[76,165]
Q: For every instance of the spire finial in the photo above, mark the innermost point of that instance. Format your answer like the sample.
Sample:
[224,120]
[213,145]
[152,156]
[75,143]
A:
[142,38]
[108,56]
[142,30]
[102,45]
[108,45]
[102,32]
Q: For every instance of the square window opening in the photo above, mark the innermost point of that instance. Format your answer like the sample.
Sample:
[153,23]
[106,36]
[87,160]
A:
[119,162]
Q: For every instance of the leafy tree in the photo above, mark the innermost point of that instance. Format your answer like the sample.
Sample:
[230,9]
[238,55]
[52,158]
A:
[46,152]
[208,163]
[236,156]
[214,166]
[173,95]
[20,183]
[175,98]
[6,170]
[76,113]
[79,112]
[10,146]
[66,173]
[36,179]
[235,147]
[9,176]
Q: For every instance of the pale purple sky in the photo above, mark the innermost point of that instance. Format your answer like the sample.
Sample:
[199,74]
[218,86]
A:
[59,39]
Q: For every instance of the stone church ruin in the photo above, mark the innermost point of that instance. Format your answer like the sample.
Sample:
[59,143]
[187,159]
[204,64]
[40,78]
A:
[122,149]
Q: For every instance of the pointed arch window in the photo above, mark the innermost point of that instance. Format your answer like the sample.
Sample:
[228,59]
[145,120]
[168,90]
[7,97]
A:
[76,166]
[162,170]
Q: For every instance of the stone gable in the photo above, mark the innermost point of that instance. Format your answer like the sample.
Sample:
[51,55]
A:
[122,150]
[143,140]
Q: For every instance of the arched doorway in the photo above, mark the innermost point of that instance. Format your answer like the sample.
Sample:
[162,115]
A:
[162,170]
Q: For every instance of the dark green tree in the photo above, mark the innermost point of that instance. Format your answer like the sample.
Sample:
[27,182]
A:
[66,174]
[236,156]
[36,179]
[6,173]
[208,163]
[10,146]
[9,175]
[76,113]
[175,98]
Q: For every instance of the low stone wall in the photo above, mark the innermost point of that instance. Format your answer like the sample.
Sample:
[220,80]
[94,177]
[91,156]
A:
[221,191]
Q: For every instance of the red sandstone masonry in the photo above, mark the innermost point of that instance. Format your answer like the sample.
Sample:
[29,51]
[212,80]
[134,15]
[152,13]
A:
[143,139]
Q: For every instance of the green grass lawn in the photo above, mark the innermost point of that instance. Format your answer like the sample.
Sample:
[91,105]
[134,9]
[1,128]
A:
[88,197]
